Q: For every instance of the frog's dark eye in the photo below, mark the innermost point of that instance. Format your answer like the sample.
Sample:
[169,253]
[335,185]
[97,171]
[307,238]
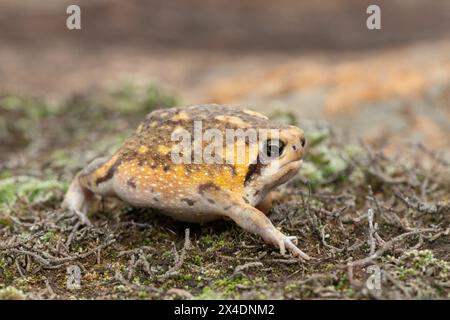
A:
[274,148]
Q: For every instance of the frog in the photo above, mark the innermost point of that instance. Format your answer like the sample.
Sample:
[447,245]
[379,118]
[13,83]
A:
[143,171]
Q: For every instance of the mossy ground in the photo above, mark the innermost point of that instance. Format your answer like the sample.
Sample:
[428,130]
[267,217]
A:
[134,253]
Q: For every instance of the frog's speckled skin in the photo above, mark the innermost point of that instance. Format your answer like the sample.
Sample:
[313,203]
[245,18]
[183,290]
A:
[142,173]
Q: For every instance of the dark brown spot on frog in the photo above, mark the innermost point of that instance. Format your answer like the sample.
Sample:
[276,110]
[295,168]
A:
[253,169]
[207,186]
[110,173]
[131,183]
[232,169]
[190,202]
[226,208]
[166,167]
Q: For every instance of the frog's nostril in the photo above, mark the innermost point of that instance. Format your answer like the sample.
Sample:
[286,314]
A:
[303,141]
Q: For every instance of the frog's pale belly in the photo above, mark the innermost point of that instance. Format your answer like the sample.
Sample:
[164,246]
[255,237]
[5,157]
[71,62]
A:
[188,208]
[194,216]
[178,210]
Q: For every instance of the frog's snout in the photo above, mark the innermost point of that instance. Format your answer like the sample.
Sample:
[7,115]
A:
[300,145]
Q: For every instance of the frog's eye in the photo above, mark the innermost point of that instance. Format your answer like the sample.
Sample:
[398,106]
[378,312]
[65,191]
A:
[274,148]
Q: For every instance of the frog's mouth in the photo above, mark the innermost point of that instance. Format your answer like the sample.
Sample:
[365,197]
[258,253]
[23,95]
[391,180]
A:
[295,163]
[289,170]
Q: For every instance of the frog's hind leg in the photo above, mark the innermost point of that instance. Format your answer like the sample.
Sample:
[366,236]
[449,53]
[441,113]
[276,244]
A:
[80,197]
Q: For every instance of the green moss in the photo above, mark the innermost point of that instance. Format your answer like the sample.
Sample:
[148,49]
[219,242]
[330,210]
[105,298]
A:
[187,277]
[209,294]
[167,253]
[198,260]
[357,176]
[5,222]
[317,137]
[322,164]
[343,283]
[424,260]
[417,263]
[406,273]
[32,108]
[156,97]
[323,161]
[291,287]
[142,295]
[11,293]
[63,158]
[132,98]
[230,285]
[329,267]
[284,117]
[213,240]
[7,270]
[32,189]
[6,174]
[50,235]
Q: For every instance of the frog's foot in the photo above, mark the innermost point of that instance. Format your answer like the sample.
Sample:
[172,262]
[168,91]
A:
[289,244]
[83,218]
[276,237]
[78,200]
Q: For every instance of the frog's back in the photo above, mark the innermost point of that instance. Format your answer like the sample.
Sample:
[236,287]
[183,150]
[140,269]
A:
[142,172]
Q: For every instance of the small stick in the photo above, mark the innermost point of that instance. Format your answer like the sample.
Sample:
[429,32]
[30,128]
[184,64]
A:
[179,259]
[371,241]
[387,246]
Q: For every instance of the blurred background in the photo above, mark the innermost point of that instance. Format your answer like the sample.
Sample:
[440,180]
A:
[314,59]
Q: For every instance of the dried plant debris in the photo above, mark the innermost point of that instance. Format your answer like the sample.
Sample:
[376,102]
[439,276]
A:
[378,226]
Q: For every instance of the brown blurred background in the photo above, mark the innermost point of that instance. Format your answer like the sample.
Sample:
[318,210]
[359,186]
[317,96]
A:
[316,59]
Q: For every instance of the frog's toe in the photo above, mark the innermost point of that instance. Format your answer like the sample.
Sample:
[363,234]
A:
[83,218]
[293,239]
[294,250]
[282,247]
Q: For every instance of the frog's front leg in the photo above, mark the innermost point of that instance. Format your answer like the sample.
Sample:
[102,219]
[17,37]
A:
[249,218]
[253,220]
